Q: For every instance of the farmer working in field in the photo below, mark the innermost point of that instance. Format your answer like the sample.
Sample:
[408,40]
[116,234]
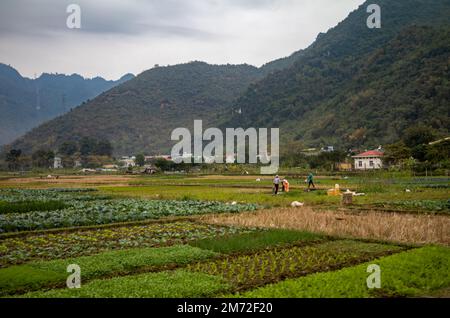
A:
[310,181]
[276,185]
[285,185]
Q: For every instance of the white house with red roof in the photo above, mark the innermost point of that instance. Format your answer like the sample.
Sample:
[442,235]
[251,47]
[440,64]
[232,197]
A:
[369,160]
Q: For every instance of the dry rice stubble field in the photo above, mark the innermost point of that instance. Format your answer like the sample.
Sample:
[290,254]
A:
[393,227]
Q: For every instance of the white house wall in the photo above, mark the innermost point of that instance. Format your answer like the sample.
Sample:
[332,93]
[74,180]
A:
[368,163]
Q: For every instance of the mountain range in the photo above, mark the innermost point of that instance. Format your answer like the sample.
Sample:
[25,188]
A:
[357,86]
[26,103]
[353,87]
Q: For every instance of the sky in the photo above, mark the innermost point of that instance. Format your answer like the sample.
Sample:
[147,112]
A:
[130,36]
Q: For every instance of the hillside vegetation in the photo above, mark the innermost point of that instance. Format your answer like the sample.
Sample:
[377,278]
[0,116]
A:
[141,114]
[357,86]
[26,103]
[354,87]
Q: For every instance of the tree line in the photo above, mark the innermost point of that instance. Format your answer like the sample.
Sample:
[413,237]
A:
[85,150]
[419,150]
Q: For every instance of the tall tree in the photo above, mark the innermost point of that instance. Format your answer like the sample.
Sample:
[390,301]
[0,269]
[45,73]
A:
[418,135]
[140,160]
[439,152]
[43,158]
[87,146]
[12,158]
[394,153]
[104,148]
[68,148]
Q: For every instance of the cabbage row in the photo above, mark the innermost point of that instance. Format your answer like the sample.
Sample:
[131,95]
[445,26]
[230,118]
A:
[83,213]
[59,194]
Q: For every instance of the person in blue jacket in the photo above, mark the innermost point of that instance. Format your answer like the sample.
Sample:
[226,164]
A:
[310,181]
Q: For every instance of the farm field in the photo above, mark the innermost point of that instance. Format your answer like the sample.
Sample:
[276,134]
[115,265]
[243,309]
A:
[223,236]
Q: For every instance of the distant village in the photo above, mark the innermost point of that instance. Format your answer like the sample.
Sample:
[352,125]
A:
[367,160]
[420,153]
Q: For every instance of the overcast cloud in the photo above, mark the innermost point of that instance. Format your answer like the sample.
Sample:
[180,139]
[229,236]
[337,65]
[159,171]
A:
[122,36]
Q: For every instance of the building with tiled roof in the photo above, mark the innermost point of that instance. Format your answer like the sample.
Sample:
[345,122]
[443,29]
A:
[369,160]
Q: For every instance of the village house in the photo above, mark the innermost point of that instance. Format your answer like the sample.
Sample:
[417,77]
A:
[57,163]
[327,149]
[369,160]
[128,161]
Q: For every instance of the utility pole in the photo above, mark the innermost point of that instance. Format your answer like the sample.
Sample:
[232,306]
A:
[38,94]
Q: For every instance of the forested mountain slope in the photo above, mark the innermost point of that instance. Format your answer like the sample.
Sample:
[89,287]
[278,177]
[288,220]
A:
[25,103]
[358,86]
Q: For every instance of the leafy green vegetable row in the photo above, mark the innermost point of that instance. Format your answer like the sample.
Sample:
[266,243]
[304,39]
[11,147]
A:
[253,241]
[28,206]
[414,273]
[41,274]
[59,194]
[113,211]
[18,250]
[168,284]
[272,265]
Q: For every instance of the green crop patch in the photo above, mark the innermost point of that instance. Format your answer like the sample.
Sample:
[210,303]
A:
[248,242]
[41,274]
[19,279]
[30,206]
[82,213]
[49,246]
[409,274]
[268,266]
[55,194]
[436,206]
[169,284]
